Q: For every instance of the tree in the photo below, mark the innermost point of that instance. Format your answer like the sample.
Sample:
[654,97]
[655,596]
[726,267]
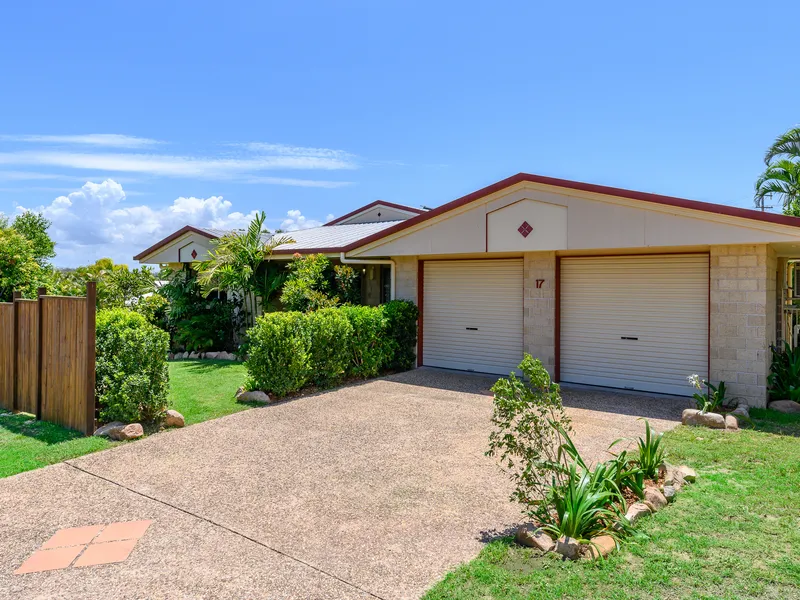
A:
[19,270]
[782,175]
[117,285]
[234,262]
[33,226]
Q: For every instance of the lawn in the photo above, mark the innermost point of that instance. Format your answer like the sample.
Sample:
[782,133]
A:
[199,390]
[733,534]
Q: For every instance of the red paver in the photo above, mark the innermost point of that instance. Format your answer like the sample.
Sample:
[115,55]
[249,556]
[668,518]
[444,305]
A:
[72,536]
[49,560]
[129,530]
[106,553]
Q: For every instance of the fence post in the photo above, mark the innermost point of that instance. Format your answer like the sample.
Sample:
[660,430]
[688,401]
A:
[91,318]
[40,294]
[15,352]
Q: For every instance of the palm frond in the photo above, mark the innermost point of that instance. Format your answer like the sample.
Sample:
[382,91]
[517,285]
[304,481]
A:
[787,145]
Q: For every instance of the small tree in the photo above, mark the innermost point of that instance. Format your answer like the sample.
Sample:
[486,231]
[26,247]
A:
[782,176]
[348,284]
[308,286]
[234,262]
[529,422]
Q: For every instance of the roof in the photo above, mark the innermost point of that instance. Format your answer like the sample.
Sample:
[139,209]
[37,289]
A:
[318,239]
[411,209]
[720,209]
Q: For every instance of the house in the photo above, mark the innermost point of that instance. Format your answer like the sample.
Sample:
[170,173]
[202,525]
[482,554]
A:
[606,286]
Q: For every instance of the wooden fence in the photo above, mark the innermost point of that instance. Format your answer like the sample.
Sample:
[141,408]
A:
[47,358]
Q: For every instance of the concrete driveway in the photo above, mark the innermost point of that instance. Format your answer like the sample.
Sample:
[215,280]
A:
[370,491]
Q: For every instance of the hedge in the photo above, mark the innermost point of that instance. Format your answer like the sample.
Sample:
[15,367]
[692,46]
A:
[291,350]
[132,380]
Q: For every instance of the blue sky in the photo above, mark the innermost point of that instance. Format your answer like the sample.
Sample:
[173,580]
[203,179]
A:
[209,111]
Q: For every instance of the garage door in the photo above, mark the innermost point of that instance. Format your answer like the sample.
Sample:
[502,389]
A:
[637,322]
[472,315]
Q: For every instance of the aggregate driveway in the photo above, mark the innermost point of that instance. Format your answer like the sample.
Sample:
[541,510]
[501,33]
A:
[372,490]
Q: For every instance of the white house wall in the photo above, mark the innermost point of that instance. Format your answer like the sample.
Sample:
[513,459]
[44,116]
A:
[386,214]
[592,221]
[180,250]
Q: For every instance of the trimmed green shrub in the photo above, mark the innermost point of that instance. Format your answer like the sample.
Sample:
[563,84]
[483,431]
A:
[401,317]
[279,353]
[329,332]
[132,381]
[309,285]
[370,346]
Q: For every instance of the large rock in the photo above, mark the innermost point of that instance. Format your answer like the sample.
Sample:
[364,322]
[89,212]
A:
[568,548]
[193,355]
[107,429]
[785,406]
[655,498]
[602,545]
[742,411]
[671,475]
[211,355]
[172,418]
[731,422]
[533,537]
[688,473]
[225,356]
[131,431]
[692,416]
[256,396]
[636,511]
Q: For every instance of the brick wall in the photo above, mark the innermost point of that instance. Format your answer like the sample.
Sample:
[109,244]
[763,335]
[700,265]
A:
[742,319]
[539,306]
[405,283]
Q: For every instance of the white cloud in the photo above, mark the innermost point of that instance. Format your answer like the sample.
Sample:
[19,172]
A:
[295,220]
[315,183]
[330,217]
[287,150]
[173,166]
[95,221]
[112,140]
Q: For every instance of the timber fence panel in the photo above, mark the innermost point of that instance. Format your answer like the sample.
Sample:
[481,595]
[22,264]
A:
[7,355]
[27,354]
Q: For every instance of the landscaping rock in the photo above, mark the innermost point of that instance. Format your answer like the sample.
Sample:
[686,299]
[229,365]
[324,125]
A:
[671,476]
[193,355]
[131,431]
[741,411]
[170,356]
[785,406]
[226,356]
[533,537]
[172,418]
[108,428]
[636,511]
[670,492]
[211,355]
[692,416]
[254,397]
[568,548]
[655,498]
[687,473]
[731,423]
[600,546]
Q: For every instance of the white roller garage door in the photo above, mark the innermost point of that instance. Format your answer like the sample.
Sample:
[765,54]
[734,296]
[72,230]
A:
[637,322]
[472,315]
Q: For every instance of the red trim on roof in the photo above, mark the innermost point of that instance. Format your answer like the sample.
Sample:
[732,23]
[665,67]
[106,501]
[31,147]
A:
[720,209]
[174,236]
[353,213]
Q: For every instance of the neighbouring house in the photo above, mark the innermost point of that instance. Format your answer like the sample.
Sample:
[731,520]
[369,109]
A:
[606,286]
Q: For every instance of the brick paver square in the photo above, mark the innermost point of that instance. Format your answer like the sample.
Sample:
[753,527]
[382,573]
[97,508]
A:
[72,536]
[106,553]
[49,560]
[129,530]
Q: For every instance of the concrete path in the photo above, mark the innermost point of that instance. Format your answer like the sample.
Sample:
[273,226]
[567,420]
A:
[370,491]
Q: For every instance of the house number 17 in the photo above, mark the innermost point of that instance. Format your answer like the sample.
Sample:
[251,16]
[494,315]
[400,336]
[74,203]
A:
[539,283]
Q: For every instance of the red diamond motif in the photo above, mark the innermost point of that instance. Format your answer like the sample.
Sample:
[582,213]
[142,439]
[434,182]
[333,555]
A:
[525,229]
[194,253]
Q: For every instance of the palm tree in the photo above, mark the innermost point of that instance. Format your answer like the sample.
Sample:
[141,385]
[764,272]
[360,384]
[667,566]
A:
[782,176]
[234,261]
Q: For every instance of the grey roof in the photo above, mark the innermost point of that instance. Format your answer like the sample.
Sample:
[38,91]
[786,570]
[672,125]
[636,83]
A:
[330,237]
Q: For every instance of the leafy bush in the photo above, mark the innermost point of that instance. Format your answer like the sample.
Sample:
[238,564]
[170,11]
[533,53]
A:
[370,348]
[527,440]
[278,361]
[348,284]
[132,380]
[401,323]
[784,376]
[308,285]
[329,333]
[154,308]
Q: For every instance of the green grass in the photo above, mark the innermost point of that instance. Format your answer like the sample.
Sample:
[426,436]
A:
[199,390]
[733,534]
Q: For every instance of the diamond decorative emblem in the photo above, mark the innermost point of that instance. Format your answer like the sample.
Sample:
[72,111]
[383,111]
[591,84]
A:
[194,253]
[525,229]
